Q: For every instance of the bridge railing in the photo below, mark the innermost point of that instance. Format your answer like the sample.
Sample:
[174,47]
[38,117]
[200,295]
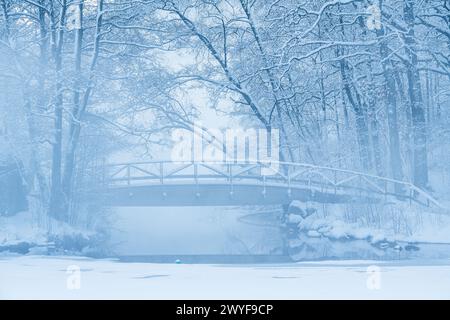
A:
[286,174]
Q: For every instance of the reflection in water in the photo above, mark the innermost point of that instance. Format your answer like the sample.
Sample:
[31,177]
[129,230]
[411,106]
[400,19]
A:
[305,248]
[230,234]
[196,230]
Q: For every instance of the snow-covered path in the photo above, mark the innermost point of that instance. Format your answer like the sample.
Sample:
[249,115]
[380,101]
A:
[39,277]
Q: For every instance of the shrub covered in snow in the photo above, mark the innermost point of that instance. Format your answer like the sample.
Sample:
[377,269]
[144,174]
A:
[23,234]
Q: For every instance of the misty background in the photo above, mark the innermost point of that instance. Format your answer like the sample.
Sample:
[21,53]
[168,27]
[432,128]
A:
[351,84]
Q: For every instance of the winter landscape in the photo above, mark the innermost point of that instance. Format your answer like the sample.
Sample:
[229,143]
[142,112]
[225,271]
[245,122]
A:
[225,149]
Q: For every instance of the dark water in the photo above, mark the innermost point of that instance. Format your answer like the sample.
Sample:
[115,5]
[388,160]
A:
[317,250]
[207,259]
[305,248]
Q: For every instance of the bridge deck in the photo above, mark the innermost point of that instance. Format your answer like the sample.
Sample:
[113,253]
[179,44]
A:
[164,183]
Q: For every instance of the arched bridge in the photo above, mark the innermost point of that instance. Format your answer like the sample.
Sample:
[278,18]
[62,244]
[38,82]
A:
[166,183]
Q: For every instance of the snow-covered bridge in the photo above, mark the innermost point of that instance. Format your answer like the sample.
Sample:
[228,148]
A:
[166,183]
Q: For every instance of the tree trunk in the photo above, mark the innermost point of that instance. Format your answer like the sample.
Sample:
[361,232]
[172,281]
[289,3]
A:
[57,198]
[69,163]
[361,124]
[419,127]
[391,110]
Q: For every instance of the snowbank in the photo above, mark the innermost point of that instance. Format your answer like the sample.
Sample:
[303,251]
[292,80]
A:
[20,228]
[393,231]
[395,222]
[23,233]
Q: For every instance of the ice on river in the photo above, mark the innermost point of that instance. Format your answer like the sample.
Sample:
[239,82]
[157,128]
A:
[40,277]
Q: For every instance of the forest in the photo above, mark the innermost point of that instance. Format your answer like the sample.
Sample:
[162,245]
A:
[362,85]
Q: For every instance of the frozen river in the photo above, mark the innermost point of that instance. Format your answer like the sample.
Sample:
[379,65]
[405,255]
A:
[39,277]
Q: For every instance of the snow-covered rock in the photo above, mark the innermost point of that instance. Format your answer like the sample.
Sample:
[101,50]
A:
[314,234]
[296,208]
[294,219]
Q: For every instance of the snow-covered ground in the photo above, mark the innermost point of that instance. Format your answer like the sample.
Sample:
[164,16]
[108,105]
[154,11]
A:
[40,277]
